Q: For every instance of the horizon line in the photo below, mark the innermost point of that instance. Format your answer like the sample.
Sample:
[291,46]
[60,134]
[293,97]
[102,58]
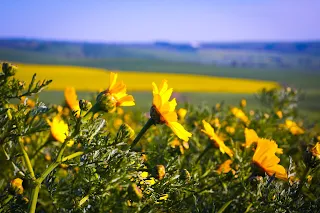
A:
[159,40]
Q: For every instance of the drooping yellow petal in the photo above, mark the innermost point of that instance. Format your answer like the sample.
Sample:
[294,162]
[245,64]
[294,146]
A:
[126,101]
[208,130]
[225,167]
[251,137]
[179,130]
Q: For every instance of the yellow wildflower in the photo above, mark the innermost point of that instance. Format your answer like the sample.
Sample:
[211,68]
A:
[144,175]
[16,184]
[316,150]
[216,123]
[151,181]
[72,100]
[208,130]
[231,130]
[182,113]
[265,158]
[161,171]
[243,102]
[279,114]
[225,167]
[177,143]
[293,127]
[59,130]
[116,95]
[239,114]
[30,103]
[163,110]
[164,197]
[252,137]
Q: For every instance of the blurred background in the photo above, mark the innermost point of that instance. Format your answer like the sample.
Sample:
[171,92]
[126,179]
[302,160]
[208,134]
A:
[209,50]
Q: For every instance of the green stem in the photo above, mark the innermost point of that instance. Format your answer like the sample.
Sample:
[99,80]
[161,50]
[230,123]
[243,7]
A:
[26,159]
[83,200]
[91,112]
[303,180]
[149,123]
[34,198]
[38,182]
[69,157]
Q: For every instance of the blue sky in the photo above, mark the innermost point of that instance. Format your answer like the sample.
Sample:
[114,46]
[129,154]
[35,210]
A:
[150,20]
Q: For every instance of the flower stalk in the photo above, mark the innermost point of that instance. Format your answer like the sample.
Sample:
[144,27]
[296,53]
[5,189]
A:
[149,123]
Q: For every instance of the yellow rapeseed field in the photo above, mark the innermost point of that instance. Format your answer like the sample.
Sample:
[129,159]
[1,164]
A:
[93,79]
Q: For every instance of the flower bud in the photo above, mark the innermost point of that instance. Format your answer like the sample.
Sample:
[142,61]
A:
[125,132]
[185,175]
[311,157]
[316,150]
[159,171]
[135,192]
[85,105]
[9,69]
[182,113]
[106,102]
[16,185]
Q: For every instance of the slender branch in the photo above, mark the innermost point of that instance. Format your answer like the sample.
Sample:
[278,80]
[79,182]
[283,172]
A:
[149,123]
[26,159]
[38,182]
[69,157]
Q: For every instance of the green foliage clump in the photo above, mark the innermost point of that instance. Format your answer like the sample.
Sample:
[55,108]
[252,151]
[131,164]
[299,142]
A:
[96,167]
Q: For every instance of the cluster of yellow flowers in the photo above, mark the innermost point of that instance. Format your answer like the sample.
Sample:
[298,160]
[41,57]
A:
[163,109]
[163,112]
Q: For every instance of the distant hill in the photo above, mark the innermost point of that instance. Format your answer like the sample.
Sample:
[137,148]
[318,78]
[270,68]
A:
[288,55]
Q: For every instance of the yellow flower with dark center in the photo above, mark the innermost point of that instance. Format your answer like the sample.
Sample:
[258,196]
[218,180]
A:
[239,114]
[225,167]
[16,185]
[163,110]
[293,127]
[72,100]
[59,130]
[265,158]
[316,150]
[116,95]
[208,130]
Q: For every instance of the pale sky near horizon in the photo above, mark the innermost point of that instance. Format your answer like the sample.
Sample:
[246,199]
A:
[170,20]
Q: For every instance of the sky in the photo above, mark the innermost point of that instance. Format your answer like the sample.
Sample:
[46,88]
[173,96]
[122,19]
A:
[164,20]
